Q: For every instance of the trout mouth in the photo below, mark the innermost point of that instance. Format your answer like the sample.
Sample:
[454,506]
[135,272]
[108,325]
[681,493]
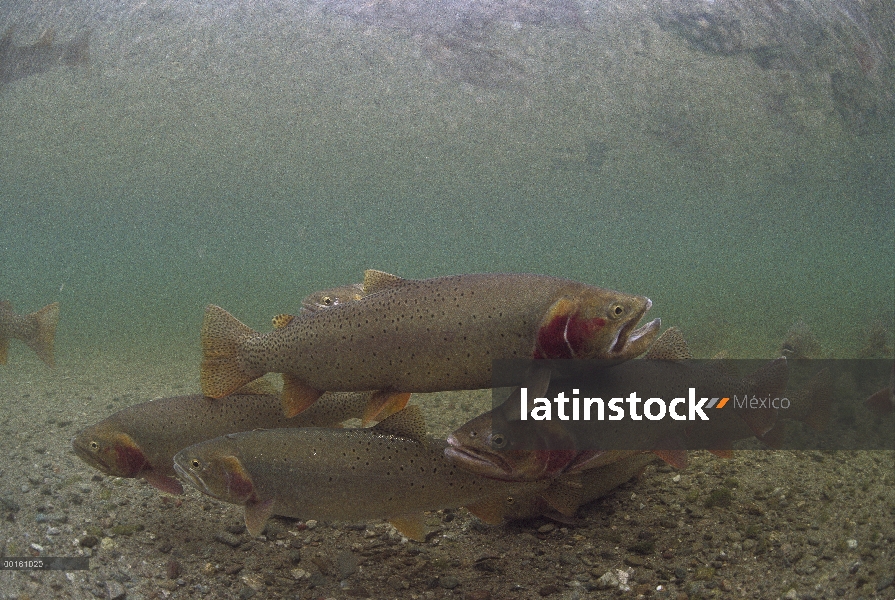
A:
[193,479]
[89,457]
[631,342]
[488,464]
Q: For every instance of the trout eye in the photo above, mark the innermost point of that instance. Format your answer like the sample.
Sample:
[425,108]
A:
[327,301]
[498,441]
[473,434]
[616,310]
[511,500]
[194,463]
[94,445]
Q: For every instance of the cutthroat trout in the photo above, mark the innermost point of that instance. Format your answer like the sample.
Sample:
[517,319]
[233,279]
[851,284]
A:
[390,471]
[424,335]
[594,483]
[37,329]
[498,444]
[141,440]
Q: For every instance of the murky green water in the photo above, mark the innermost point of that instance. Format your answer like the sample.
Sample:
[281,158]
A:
[248,154]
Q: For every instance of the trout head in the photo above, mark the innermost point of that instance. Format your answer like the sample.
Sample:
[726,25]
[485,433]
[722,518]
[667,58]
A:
[215,471]
[596,324]
[111,451]
[476,447]
[333,297]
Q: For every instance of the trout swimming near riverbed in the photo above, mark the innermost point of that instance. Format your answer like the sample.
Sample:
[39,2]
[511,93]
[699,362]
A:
[499,444]
[18,62]
[141,440]
[440,334]
[37,329]
[389,471]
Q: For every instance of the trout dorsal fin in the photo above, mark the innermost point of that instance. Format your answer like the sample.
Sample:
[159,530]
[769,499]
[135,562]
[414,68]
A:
[376,281]
[407,423]
[281,321]
[671,345]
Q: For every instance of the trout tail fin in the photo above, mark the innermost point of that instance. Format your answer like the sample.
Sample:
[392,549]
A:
[44,332]
[223,371]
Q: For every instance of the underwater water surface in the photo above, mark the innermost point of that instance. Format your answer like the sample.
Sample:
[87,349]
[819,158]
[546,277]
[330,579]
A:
[249,154]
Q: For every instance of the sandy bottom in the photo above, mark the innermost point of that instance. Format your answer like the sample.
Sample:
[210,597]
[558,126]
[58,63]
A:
[761,525]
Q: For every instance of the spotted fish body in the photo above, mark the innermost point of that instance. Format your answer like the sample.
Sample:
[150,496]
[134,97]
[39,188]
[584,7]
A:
[37,329]
[338,475]
[425,335]
[594,483]
[141,440]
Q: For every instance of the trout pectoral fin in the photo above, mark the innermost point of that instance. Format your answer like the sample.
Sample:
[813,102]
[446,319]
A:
[671,345]
[297,395]
[256,515]
[163,483]
[411,526]
[383,405]
[565,494]
[490,510]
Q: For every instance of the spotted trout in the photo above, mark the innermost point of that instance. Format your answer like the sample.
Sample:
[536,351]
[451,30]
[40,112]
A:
[37,329]
[389,471]
[141,440]
[426,335]
[594,484]
[488,444]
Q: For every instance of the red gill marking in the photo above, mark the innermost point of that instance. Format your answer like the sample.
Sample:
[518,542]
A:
[241,486]
[130,460]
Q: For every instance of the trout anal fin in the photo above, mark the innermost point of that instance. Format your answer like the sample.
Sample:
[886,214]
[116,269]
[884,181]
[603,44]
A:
[297,395]
[384,404]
